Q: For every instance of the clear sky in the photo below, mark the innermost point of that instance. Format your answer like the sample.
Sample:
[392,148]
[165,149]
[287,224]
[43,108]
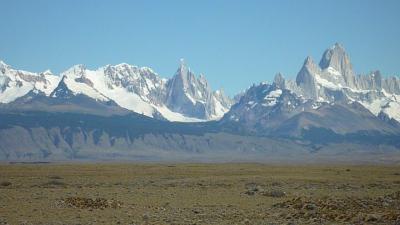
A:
[233,43]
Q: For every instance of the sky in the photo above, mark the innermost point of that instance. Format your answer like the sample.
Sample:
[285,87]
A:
[233,43]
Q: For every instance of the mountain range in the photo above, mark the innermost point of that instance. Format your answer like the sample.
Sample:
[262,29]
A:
[318,91]
[185,97]
[128,112]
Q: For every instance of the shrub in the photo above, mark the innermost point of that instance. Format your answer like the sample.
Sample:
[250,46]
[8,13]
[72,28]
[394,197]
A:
[5,183]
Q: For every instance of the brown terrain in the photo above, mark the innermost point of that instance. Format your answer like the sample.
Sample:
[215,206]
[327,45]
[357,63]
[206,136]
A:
[198,194]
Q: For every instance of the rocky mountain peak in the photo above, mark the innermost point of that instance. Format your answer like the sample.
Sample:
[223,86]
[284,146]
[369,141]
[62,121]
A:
[182,75]
[305,79]
[337,59]
[183,70]
[310,65]
[279,81]
[182,63]
[308,61]
[192,96]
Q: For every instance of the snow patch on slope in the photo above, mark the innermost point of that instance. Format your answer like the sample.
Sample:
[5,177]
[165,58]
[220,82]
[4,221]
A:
[392,109]
[48,86]
[176,117]
[15,91]
[70,79]
[271,97]
[325,83]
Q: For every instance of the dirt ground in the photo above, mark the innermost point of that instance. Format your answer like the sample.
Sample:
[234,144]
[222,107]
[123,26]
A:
[198,194]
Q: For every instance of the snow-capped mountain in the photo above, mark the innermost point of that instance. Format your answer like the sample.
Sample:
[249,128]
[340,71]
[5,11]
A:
[17,83]
[263,107]
[187,97]
[192,96]
[327,111]
[183,98]
[334,80]
[323,95]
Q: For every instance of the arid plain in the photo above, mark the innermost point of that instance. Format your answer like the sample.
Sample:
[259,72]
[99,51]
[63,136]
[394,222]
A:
[198,194]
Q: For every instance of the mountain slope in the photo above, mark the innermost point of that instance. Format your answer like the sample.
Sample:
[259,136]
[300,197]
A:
[54,136]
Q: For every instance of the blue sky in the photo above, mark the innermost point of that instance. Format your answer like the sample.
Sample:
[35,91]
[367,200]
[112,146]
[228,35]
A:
[233,43]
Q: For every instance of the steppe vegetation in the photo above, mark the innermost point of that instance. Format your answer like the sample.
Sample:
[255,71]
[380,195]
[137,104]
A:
[198,194]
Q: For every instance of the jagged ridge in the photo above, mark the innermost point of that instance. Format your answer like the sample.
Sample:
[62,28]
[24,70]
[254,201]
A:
[184,97]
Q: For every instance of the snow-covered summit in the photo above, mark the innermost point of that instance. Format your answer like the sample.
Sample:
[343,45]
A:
[17,83]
